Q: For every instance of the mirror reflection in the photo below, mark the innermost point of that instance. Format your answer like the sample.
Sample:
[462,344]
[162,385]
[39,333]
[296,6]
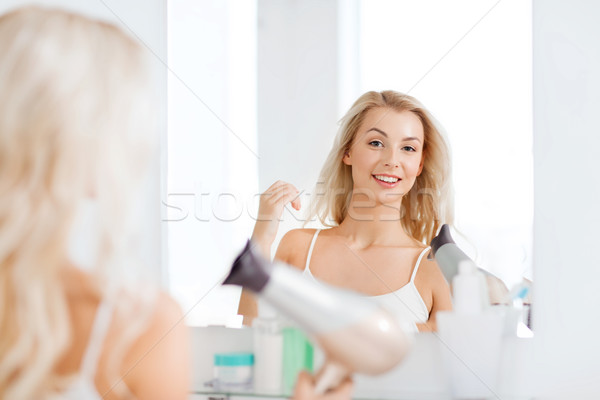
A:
[259,98]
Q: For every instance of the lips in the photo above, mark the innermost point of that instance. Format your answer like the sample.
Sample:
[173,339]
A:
[389,179]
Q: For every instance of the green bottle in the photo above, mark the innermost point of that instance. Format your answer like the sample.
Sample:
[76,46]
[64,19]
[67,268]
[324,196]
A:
[297,356]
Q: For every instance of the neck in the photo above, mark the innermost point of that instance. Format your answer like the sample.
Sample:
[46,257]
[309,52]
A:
[372,223]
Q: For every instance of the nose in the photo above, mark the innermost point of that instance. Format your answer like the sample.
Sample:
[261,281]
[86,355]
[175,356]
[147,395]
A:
[393,160]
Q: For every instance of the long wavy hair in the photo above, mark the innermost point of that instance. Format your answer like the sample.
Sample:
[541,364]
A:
[429,202]
[75,121]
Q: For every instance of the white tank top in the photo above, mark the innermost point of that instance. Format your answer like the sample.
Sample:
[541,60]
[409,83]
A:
[406,303]
[83,387]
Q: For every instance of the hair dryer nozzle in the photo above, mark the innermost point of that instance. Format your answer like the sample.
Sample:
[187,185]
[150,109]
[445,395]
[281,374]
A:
[250,270]
[442,238]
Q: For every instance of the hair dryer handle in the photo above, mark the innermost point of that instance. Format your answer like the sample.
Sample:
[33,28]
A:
[330,376]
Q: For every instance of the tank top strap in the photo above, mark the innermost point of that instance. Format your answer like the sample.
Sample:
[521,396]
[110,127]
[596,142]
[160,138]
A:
[100,327]
[416,268]
[310,249]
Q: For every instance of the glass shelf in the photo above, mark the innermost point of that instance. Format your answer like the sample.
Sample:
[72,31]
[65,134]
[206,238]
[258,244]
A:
[231,393]
[382,396]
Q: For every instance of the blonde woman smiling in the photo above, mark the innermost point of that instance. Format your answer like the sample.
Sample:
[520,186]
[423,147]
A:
[383,192]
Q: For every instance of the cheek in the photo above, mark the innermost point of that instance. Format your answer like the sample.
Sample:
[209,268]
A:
[414,166]
[362,160]
[362,167]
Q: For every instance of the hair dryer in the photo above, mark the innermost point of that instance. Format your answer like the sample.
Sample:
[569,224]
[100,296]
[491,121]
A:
[355,334]
[448,256]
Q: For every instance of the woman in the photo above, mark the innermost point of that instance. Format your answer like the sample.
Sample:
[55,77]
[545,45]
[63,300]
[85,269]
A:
[75,128]
[384,191]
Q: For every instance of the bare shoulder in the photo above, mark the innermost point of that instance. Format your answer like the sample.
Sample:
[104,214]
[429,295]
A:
[161,354]
[429,273]
[167,312]
[293,247]
[166,317]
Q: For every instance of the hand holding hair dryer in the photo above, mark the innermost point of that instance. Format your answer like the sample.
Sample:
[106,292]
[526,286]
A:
[355,334]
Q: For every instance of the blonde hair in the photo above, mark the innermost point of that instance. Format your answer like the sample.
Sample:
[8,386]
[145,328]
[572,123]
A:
[429,202]
[75,120]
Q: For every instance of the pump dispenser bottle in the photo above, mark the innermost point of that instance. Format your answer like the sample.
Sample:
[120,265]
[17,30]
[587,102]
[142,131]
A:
[468,290]
[471,337]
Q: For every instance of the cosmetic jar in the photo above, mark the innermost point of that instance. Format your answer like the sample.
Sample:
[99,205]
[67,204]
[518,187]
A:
[233,371]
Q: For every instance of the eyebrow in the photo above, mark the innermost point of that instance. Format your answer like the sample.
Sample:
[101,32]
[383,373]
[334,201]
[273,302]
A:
[406,139]
[378,130]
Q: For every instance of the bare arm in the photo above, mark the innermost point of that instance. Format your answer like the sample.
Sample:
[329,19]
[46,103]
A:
[270,209]
[247,307]
[289,249]
[440,295]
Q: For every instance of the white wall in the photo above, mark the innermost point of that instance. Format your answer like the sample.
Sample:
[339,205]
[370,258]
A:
[146,20]
[297,88]
[566,66]
[301,48]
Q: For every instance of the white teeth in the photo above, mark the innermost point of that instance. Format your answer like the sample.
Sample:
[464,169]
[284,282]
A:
[387,179]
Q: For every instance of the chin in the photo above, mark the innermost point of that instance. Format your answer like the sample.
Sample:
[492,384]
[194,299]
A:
[390,199]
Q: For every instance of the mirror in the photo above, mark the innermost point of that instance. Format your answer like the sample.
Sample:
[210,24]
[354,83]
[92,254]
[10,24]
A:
[256,90]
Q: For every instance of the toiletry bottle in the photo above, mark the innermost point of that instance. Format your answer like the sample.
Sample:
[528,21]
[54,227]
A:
[298,355]
[268,350]
[470,338]
[468,290]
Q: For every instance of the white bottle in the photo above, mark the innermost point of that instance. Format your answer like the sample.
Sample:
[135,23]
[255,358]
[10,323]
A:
[470,338]
[268,351]
[468,290]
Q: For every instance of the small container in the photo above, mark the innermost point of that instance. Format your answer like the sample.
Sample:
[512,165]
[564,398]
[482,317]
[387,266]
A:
[268,352]
[233,371]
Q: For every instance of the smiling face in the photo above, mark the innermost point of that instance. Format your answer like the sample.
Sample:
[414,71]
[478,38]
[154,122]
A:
[386,155]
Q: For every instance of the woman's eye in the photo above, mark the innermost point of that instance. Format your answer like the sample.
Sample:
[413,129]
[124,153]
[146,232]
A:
[408,148]
[376,143]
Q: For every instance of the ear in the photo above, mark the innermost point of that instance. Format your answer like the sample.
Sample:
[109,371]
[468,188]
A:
[347,159]
[421,165]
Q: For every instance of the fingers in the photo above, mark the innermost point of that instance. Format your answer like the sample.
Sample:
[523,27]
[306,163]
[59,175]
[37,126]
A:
[287,197]
[278,185]
[344,391]
[296,202]
[282,192]
[305,389]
